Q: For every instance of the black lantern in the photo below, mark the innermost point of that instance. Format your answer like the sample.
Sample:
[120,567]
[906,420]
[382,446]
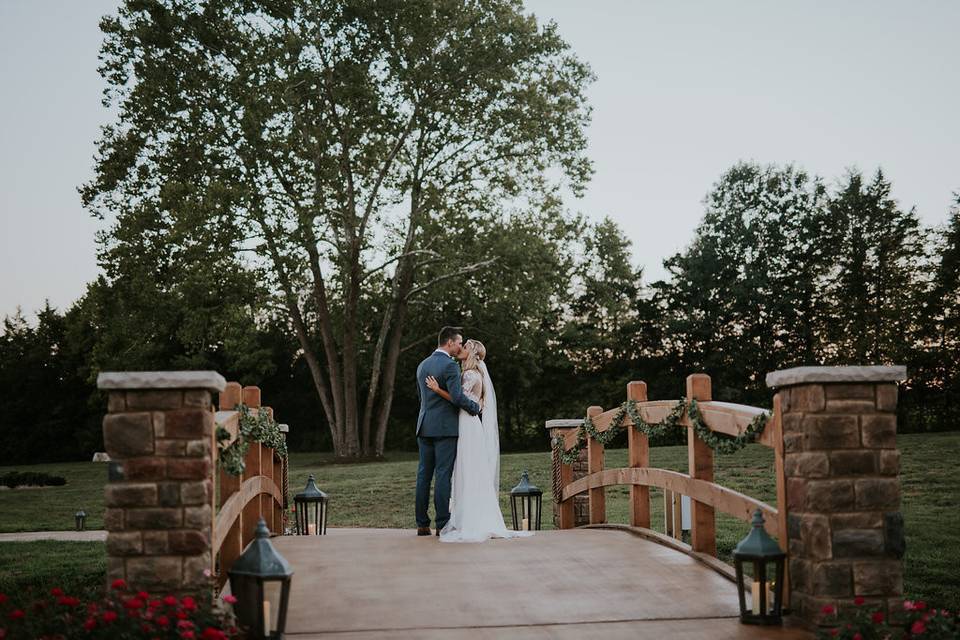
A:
[311,496]
[260,581]
[81,520]
[762,551]
[525,504]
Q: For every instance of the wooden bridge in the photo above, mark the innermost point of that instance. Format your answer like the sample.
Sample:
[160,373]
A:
[835,470]
[587,583]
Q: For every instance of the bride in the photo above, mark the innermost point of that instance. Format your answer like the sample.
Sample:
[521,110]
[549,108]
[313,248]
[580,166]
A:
[475,506]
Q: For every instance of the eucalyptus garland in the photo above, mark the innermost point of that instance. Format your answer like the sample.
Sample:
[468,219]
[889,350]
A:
[717,442]
[259,427]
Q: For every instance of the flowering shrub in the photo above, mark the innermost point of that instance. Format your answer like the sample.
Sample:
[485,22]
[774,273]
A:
[917,621]
[122,613]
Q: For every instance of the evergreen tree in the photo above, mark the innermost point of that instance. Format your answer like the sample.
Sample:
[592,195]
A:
[743,298]
[873,290]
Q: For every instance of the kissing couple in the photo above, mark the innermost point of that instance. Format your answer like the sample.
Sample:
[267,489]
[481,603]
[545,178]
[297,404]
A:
[459,440]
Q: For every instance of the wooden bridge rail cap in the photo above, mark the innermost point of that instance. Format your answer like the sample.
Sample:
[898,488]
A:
[137,380]
[822,375]
[723,417]
[564,423]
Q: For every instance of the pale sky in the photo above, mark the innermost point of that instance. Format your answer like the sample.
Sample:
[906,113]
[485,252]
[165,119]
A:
[684,90]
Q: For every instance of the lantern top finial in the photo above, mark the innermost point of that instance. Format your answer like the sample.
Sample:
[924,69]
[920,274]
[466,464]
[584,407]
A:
[757,543]
[311,492]
[524,488]
[261,560]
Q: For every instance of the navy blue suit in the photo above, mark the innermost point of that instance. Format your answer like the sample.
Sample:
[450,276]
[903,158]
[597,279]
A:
[438,427]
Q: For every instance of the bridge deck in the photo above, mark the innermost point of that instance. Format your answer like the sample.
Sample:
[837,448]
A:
[388,583]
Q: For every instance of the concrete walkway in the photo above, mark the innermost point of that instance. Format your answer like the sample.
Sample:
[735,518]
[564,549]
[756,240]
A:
[388,583]
[66,536]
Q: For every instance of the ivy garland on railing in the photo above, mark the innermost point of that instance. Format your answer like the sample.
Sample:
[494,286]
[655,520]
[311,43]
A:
[259,427]
[724,443]
[717,442]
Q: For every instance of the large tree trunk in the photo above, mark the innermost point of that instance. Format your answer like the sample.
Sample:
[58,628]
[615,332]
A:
[389,379]
[351,423]
[325,326]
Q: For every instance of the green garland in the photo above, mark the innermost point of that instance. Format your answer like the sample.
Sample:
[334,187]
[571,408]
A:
[724,443]
[259,427]
[717,442]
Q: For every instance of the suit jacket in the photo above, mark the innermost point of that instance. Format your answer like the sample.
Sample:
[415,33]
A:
[439,418]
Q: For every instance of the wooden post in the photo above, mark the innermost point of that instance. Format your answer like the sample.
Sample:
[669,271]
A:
[668,512]
[598,498]
[251,512]
[230,397]
[703,536]
[251,397]
[778,470]
[566,508]
[266,499]
[676,511]
[638,447]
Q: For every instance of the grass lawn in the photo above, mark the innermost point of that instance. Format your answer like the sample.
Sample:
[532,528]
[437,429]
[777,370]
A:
[381,495]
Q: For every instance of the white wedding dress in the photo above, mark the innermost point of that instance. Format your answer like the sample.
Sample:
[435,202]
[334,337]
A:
[474,504]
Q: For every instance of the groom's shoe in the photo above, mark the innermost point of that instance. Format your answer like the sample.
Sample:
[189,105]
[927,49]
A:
[423,531]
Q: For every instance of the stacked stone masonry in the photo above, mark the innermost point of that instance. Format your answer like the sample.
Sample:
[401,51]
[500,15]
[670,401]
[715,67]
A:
[159,499]
[845,529]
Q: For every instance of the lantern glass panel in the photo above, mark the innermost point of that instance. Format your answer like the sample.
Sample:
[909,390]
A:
[271,606]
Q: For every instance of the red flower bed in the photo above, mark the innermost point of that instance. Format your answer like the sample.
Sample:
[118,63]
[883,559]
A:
[122,613]
[918,621]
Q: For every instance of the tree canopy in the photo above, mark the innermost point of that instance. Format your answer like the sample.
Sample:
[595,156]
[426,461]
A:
[327,149]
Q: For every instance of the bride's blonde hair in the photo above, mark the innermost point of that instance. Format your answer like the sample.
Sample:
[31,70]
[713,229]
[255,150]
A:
[475,353]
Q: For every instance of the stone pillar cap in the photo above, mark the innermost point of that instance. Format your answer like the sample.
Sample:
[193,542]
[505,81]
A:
[144,380]
[564,423]
[855,374]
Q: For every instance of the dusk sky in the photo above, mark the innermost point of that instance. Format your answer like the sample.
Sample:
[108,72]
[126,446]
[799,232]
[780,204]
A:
[684,90]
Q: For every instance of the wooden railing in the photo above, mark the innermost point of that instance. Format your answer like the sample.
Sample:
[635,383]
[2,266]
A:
[258,492]
[705,495]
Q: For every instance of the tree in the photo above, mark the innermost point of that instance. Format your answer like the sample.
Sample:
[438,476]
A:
[514,307]
[51,412]
[329,145]
[743,298]
[879,258]
[934,364]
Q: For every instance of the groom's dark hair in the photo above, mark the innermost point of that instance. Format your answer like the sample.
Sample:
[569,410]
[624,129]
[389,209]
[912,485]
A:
[447,334]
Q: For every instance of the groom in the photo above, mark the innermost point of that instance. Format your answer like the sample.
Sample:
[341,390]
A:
[438,427]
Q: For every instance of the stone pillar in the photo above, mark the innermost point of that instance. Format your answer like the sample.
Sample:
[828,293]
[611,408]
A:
[159,432]
[844,526]
[581,503]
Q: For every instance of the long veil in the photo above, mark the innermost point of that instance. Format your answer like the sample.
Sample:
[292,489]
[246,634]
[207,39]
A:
[491,426]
